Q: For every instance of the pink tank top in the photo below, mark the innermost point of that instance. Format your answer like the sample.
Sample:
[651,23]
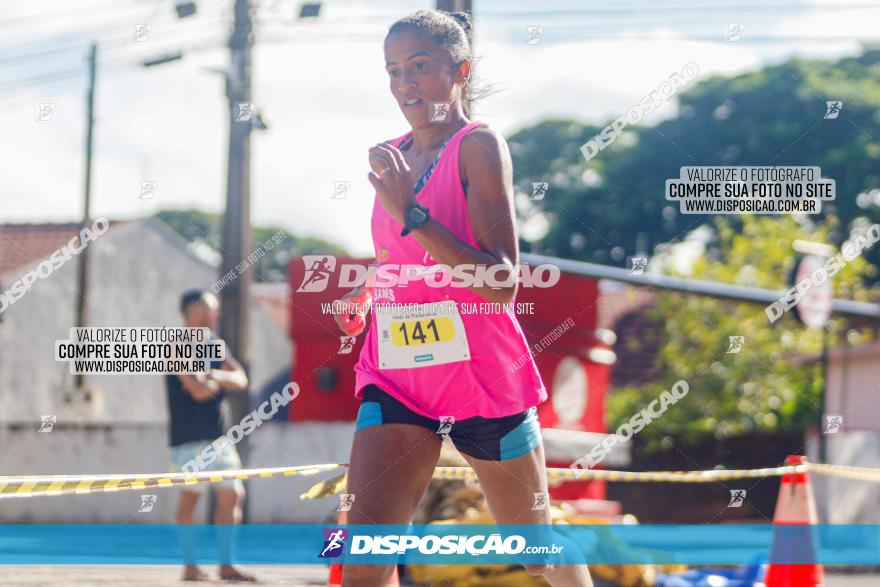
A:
[500,378]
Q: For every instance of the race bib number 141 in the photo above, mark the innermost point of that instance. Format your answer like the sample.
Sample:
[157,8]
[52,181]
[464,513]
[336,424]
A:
[421,334]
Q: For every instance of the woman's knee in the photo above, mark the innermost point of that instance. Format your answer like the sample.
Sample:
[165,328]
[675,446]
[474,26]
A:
[540,569]
[562,573]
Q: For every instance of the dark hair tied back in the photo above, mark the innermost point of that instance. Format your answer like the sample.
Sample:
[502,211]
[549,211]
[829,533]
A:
[464,20]
[447,30]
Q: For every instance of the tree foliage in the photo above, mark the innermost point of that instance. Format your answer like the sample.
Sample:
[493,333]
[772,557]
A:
[204,228]
[775,381]
[614,205]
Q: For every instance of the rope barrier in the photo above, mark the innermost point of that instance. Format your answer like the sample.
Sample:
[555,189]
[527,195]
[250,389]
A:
[51,485]
[635,476]
[860,473]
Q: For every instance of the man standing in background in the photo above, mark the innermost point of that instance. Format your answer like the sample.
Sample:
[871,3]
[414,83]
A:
[195,421]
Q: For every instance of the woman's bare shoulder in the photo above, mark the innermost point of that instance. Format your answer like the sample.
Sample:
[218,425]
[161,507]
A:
[484,150]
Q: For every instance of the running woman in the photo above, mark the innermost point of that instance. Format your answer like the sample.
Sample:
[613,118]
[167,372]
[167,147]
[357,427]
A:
[444,195]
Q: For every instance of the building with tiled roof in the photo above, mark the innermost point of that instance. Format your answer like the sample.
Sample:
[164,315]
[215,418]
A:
[115,423]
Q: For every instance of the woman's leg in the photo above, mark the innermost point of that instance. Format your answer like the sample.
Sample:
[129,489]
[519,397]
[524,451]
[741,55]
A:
[389,470]
[510,487]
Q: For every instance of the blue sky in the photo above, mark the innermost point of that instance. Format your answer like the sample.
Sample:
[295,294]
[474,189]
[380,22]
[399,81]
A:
[323,90]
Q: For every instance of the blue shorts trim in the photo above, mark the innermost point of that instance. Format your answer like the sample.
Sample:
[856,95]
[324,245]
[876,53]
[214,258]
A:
[369,414]
[522,439]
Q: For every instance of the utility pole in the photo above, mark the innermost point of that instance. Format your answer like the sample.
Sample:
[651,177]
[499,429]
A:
[236,237]
[456,6]
[82,285]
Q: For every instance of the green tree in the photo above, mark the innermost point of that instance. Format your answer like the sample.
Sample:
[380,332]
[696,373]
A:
[614,205]
[204,228]
[774,382]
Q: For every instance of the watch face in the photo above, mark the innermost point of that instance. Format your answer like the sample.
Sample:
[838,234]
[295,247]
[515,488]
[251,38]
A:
[416,215]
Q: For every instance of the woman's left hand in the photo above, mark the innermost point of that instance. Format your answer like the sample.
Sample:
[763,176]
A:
[392,178]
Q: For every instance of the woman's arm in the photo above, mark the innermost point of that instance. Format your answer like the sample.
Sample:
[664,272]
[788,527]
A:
[488,173]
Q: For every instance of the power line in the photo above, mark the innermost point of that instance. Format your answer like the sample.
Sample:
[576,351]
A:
[624,21]
[46,78]
[630,12]
[113,65]
[268,24]
[311,33]
[116,45]
[20,20]
[60,78]
[586,37]
[71,39]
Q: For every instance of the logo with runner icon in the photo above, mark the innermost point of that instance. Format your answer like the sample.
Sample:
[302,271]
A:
[446,423]
[346,345]
[334,542]
[318,270]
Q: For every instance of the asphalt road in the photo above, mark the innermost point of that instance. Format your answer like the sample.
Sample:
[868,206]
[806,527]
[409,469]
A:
[294,576]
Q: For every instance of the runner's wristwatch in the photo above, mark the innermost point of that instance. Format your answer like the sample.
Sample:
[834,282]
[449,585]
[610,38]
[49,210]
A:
[415,216]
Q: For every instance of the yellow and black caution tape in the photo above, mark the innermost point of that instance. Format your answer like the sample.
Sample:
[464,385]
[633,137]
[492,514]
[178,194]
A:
[568,474]
[36,485]
[555,475]
[48,485]
[326,488]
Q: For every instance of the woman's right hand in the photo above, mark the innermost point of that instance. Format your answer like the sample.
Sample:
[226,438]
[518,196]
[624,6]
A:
[350,311]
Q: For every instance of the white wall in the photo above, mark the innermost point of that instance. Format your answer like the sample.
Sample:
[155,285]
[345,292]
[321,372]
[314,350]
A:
[853,391]
[138,271]
[854,386]
[841,500]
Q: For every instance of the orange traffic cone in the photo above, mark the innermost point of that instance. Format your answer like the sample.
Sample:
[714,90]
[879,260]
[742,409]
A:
[335,578]
[793,538]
